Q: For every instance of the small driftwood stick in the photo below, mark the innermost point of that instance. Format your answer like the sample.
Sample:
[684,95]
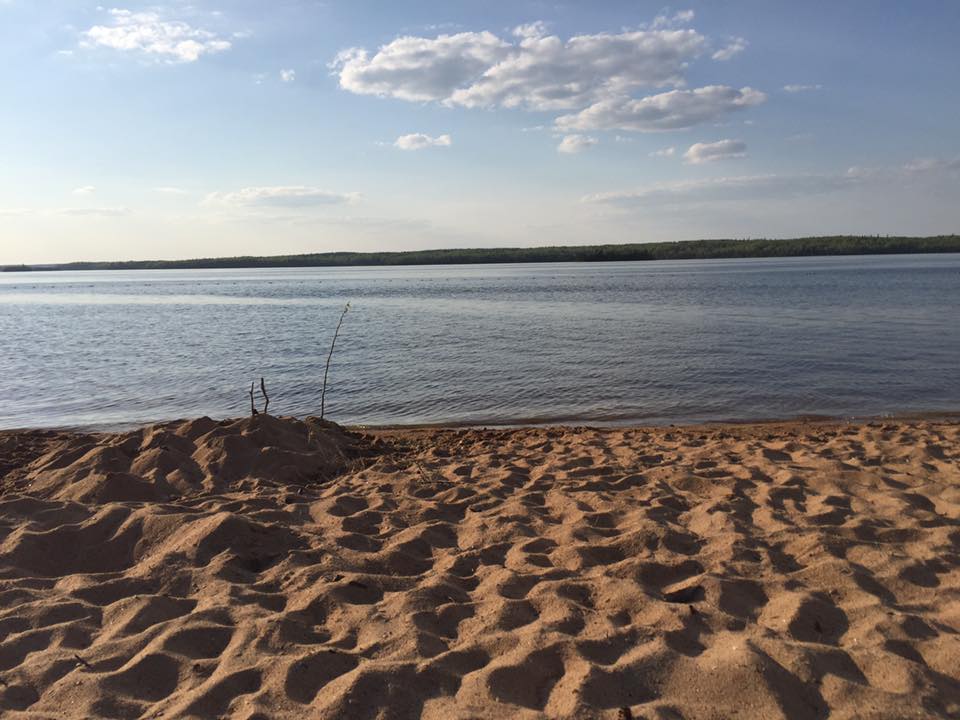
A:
[326,370]
[266,398]
[253,410]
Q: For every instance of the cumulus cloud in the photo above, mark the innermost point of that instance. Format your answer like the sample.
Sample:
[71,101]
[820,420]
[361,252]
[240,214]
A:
[573,144]
[602,81]
[546,73]
[84,190]
[419,141]
[419,69]
[801,88]
[724,189]
[664,152]
[288,76]
[539,72]
[700,153]
[280,196]
[673,110]
[734,47]
[149,34]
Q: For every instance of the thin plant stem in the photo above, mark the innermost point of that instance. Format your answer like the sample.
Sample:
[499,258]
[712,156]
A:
[266,398]
[326,370]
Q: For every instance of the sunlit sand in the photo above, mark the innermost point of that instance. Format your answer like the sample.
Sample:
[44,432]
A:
[273,568]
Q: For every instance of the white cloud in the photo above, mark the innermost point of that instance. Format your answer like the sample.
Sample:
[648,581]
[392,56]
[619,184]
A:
[663,20]
[147,33]
[734,47]
[419,69]
[288,76]
[419,141]
[540,72]
[531,30]
[724,189]
[801,88]
[292,196]
[700,153]
[167,190]
[665,152]
[93,211]
[594,78]
[573,144]
[84,190]
[673,110]
[546,73]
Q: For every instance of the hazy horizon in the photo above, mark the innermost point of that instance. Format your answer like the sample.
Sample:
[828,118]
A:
[174,130]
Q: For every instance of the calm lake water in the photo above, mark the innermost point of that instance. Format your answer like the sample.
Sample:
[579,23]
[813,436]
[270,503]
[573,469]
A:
[653,342]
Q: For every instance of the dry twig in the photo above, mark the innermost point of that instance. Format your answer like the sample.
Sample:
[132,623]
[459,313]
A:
[266,398]
[326,371]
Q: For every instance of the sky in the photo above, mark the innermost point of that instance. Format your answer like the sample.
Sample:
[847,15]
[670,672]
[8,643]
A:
[216,128]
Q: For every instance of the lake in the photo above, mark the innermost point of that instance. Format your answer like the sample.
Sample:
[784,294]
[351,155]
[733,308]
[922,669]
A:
[592,343]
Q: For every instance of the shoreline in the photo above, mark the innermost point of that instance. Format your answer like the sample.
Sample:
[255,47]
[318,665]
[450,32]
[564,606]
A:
[702,249]
[532,423]
[951,415]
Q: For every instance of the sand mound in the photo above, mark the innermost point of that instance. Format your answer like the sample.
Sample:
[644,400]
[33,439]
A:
[183,458]
[269,568]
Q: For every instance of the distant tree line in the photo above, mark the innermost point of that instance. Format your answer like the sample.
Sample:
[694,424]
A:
[686,250]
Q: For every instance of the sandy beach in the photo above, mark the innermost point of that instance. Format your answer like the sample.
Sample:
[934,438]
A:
[276,568]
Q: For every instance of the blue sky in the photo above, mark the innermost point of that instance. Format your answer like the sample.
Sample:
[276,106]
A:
[179,129]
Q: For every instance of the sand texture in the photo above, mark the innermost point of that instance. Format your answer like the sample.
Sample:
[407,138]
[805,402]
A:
[273,568]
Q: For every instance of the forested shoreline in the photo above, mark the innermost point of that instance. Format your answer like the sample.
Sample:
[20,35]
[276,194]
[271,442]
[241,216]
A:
[686,250]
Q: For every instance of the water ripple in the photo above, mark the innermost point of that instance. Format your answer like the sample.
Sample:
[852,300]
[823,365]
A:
[619,342]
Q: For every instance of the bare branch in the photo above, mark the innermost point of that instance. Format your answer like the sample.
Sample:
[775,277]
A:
[266,398]
[326,371]
[253,410]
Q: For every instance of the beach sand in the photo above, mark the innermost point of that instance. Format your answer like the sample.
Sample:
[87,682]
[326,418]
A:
[275,568]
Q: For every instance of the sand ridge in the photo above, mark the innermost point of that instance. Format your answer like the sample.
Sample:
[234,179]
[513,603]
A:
[275,568]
